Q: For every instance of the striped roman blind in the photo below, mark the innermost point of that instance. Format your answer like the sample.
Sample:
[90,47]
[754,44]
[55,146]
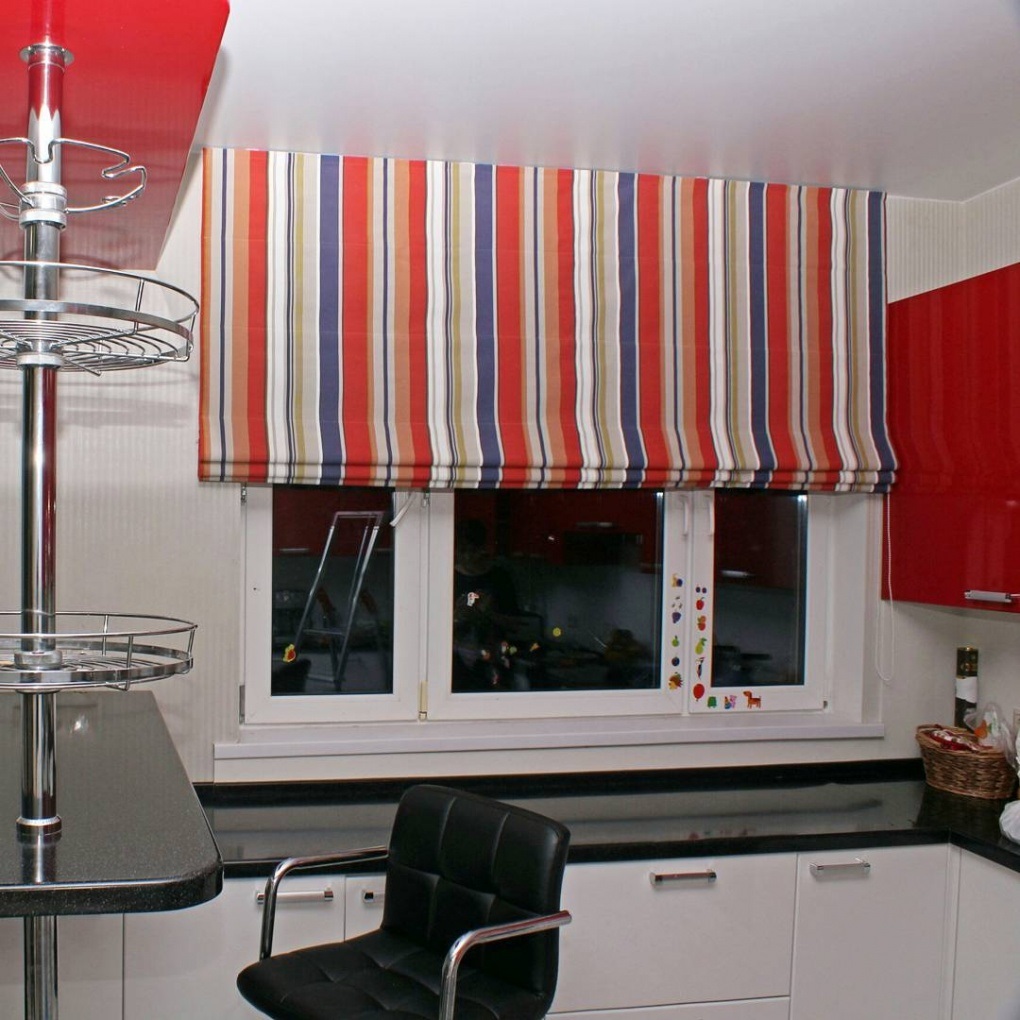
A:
[370,321]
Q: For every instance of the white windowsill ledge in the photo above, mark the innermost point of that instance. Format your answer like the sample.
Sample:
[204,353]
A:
[273,741]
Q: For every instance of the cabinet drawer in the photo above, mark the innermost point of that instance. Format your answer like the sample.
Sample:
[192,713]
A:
[648,933]
[752,1009]
[988,941]
[364,903]
[870,934]
[184,963]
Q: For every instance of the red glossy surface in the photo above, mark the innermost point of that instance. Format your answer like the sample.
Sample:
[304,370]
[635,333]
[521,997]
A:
[302,516]
[137,82]
[954,418]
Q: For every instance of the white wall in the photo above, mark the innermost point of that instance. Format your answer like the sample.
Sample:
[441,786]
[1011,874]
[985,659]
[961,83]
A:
[137,532]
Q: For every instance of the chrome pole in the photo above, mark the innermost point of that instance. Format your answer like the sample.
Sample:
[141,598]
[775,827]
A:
[43,215]
[38,865]
[40,968]
[38,767]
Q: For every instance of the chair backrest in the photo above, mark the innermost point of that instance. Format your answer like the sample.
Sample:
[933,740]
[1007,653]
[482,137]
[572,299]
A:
[458,861]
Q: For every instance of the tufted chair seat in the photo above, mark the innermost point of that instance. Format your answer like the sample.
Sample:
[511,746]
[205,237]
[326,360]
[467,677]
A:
[466,878]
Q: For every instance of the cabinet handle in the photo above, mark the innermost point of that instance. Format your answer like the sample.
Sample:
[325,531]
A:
[857,865]
[1002,598]
[302,896]
[658,878]
[371,896]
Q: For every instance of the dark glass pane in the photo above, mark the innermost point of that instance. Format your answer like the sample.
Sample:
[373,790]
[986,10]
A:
[556,591]
[760,571]
[332,591]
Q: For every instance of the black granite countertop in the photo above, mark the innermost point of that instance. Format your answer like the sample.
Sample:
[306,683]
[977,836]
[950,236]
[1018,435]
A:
[634,816]
[134,835]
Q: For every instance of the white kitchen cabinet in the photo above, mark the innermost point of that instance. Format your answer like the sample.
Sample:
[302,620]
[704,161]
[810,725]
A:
[986,979]
[364,903]
[858,942]
[666,932]
[185,963]
[90,969]
[870,934]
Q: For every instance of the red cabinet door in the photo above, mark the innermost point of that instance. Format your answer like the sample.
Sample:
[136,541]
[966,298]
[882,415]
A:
[954,419]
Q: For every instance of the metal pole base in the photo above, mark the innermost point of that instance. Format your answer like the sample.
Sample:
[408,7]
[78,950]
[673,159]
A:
[33,829]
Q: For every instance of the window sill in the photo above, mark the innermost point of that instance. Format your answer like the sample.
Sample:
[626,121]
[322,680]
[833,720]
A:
[268,741]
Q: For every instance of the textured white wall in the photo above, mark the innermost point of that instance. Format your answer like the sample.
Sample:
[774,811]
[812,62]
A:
[138,533]
[935,243]
[135,530]
[993,229]
[925,245]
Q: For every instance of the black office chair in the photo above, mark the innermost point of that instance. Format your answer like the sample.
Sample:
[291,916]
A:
[462,873]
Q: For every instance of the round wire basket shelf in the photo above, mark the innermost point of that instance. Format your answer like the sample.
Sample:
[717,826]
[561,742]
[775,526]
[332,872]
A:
[104,320]
[93,650]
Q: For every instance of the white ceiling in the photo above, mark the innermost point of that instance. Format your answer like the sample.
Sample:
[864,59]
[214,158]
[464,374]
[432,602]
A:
[914,97]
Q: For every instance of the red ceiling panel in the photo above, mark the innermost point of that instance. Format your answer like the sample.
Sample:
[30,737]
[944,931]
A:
[137,82]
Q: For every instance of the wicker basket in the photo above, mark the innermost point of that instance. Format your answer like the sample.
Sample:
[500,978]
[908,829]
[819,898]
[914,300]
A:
[982,773]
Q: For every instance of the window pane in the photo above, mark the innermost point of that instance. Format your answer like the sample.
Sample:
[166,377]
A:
[556,591]
[332,591]
[760,565]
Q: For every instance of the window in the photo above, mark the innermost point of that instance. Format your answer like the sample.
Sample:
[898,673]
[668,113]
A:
[749,607]
[332,585]
[556,591]
[366,605]
[332,604]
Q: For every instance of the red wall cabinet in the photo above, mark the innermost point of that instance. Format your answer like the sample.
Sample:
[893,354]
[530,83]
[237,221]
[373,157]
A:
[954,419]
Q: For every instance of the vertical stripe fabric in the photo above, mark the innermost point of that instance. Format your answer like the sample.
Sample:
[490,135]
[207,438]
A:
[370,321]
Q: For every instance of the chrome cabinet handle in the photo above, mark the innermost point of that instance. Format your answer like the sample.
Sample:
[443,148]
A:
[857,865]
[371,896]
[299,896]
[659,878]
[1003,598]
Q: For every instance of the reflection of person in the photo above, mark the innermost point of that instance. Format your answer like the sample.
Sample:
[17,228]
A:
[483,591]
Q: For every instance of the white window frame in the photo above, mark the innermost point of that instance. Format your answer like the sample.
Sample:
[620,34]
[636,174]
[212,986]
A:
[409,607]
[837,589]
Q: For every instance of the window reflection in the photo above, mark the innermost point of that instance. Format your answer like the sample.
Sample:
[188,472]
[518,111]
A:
[760,581]
[556,591]
[332,591]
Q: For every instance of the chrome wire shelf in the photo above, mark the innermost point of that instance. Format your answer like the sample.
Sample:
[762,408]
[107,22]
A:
[104,320]
[120,168]
[93,650]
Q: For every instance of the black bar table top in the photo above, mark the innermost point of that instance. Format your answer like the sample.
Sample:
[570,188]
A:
[134,835]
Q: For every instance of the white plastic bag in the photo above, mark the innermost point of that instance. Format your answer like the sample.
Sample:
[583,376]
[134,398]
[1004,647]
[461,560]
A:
[1009,821]
[989,725]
